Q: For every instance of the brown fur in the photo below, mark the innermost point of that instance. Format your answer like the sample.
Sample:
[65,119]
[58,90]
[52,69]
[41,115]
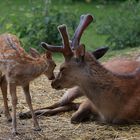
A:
[19,68]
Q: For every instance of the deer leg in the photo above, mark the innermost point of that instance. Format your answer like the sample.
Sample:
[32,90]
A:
[84,112]
[4,93]
[12,88]
[50,112]
[63,105]
[28,100]
[67,98]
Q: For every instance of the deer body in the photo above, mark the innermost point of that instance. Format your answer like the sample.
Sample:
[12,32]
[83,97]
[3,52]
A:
[19,68]
[115,97]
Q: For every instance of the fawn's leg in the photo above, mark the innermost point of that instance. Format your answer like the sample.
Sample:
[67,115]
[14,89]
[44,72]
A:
[84,112]
[12,89]
[28,100]
[4,93]
[63,105]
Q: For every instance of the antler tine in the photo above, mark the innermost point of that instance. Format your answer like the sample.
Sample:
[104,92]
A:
[67,52]
[51,47]
[85,20]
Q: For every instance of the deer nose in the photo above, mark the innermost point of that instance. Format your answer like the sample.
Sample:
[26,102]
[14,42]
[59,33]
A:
[52,77]
[55,85]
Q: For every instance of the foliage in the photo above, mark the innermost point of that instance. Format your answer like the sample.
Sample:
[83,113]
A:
[41,25]
[89,1]
[123,28]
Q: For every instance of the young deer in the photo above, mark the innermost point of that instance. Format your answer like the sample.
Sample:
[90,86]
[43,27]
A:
[18,69]
[119,66]
[114,97]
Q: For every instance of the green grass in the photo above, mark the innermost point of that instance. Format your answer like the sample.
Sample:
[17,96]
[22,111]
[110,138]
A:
[100,12]
[15,9]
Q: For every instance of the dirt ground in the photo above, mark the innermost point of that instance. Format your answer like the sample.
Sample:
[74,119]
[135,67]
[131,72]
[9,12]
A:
[58,127]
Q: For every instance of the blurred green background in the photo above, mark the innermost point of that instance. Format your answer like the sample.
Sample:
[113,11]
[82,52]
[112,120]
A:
[116,22]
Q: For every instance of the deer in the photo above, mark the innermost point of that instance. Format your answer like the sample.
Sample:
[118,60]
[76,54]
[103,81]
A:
[18,69]
[3,83]
[114,97]
[120,67]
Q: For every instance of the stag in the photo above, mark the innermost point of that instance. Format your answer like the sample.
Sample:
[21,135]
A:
[18,69]
[114,97]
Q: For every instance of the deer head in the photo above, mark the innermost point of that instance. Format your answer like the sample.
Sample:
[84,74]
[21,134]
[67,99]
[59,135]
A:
[48,58]
[75,66]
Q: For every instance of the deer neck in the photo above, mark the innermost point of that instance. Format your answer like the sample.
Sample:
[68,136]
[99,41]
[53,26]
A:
[101,81]
[35,68]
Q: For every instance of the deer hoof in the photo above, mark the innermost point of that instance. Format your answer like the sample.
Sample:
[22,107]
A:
[74,121]
[24,116]
[15,133]
[37,129]
[9,119]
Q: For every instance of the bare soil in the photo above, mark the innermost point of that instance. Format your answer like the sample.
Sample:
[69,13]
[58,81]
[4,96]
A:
[59,127]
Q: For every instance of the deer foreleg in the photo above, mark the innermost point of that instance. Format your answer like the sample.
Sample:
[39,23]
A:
[12,88]
[86,109]
[63,105]
[69,96]
[4,93]
[28,100]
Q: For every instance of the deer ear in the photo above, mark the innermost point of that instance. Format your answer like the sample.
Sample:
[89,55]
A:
[98,53]
[48,54]
[34,53]
[80,52]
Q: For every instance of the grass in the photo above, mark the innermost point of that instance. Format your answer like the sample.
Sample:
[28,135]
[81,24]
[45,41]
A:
[15,9]
[100,12]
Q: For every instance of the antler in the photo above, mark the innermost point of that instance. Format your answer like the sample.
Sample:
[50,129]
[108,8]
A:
[66,44]
[66,50]
[85,20]
[51,47]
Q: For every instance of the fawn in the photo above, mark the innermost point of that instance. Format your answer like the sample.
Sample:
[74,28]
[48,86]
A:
[18,69]
[113,97]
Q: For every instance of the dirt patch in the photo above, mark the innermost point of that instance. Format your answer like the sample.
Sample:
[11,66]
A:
[58,127]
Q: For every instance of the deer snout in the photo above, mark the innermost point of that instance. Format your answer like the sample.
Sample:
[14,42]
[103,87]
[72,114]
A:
[55,85]
[52,77]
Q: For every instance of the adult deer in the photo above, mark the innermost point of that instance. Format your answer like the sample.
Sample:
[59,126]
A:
[19,69]
[112,92]
[114,97]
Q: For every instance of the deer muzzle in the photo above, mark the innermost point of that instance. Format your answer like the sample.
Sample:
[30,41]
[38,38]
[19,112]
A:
[55,84]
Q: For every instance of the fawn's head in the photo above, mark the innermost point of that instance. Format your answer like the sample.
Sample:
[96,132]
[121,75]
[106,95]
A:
[49,72]
[74,69]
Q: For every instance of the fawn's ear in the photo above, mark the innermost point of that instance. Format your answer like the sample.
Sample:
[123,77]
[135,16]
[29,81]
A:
[48,54]
[34,53]
[98,53]
[80,53]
